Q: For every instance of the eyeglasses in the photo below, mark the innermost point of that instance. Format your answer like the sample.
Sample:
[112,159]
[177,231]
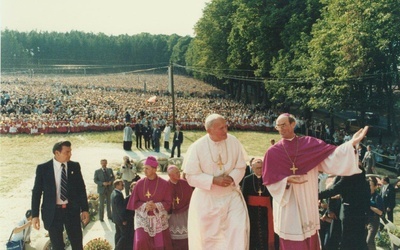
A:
[280,126]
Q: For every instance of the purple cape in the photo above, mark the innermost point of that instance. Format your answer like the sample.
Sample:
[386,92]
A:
[306,152]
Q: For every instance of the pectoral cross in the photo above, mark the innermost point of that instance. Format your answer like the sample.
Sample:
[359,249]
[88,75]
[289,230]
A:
[177,200]
[148,194]
[294,169]
[220,164]
[259,192]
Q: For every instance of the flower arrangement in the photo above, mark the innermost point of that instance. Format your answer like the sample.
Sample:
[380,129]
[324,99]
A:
[385,240]
[93,200]
[98,244]
[93,197]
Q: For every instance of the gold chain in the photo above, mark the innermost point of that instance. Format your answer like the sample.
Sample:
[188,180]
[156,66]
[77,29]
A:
[219,161]
[260,189]
[177,197]
[148,194]
[295,157]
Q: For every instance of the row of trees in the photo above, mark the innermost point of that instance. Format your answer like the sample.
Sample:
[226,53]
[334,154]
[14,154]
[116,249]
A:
[335,55]
[331,54]
[41,49]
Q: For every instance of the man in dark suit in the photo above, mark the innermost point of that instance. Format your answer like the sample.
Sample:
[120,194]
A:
[177,141]
[64,198]
[104,178]
[355,195]
[388,194]
[156,137]
[138,134]
[119,215]
[147,134]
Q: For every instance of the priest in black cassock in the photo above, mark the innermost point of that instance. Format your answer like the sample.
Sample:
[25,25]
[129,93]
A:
[259,206]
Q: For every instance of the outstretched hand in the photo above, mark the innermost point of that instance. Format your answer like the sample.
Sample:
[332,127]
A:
[359,135]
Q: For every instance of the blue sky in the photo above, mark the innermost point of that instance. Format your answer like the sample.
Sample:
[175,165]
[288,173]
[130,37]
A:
[105,16]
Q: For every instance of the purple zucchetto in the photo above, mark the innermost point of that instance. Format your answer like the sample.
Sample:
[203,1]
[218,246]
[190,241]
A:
[171,167]
[151,161]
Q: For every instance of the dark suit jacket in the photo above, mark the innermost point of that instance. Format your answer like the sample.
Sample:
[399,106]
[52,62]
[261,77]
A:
[355,194]
[389,197]
[45,186]
[178,138]
[118,207]
[99,178]
[138,129]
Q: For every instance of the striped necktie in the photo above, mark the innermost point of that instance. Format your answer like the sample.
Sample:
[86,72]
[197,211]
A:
[64,189]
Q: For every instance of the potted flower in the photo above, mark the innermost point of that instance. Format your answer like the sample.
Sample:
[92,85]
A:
[98,244]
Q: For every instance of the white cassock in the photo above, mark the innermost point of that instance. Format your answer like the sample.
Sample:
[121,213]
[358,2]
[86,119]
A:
[218,217]
[295,210]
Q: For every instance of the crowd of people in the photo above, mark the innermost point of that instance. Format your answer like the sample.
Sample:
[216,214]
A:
[71,104]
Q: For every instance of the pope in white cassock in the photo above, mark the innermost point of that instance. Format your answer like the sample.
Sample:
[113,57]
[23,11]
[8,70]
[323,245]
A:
[214,165]
[290,173]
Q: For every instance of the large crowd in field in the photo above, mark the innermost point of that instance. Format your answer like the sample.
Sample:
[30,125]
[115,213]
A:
[41,104]
[68,104]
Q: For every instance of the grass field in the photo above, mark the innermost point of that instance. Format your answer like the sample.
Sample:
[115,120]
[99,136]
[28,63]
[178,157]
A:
[19,152]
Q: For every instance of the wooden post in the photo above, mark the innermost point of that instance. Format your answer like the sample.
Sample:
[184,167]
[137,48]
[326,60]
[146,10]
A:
[171,88]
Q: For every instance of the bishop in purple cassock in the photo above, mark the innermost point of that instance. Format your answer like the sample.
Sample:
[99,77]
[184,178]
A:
[151,200]
[290,173]
[178,221]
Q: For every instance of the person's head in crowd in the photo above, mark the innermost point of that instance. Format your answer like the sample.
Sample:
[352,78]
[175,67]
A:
[28,215]
[103,163]
[385,180]
[126,159]
[256,166]
[119,184]
[373,183]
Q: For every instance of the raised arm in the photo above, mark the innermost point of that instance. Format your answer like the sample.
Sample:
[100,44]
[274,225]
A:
[359,135]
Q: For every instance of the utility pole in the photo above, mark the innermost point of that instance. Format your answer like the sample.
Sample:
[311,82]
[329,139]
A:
[171,90]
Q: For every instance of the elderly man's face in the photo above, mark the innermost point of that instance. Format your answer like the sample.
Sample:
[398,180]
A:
[218,130]
[174,175]
[256,166]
